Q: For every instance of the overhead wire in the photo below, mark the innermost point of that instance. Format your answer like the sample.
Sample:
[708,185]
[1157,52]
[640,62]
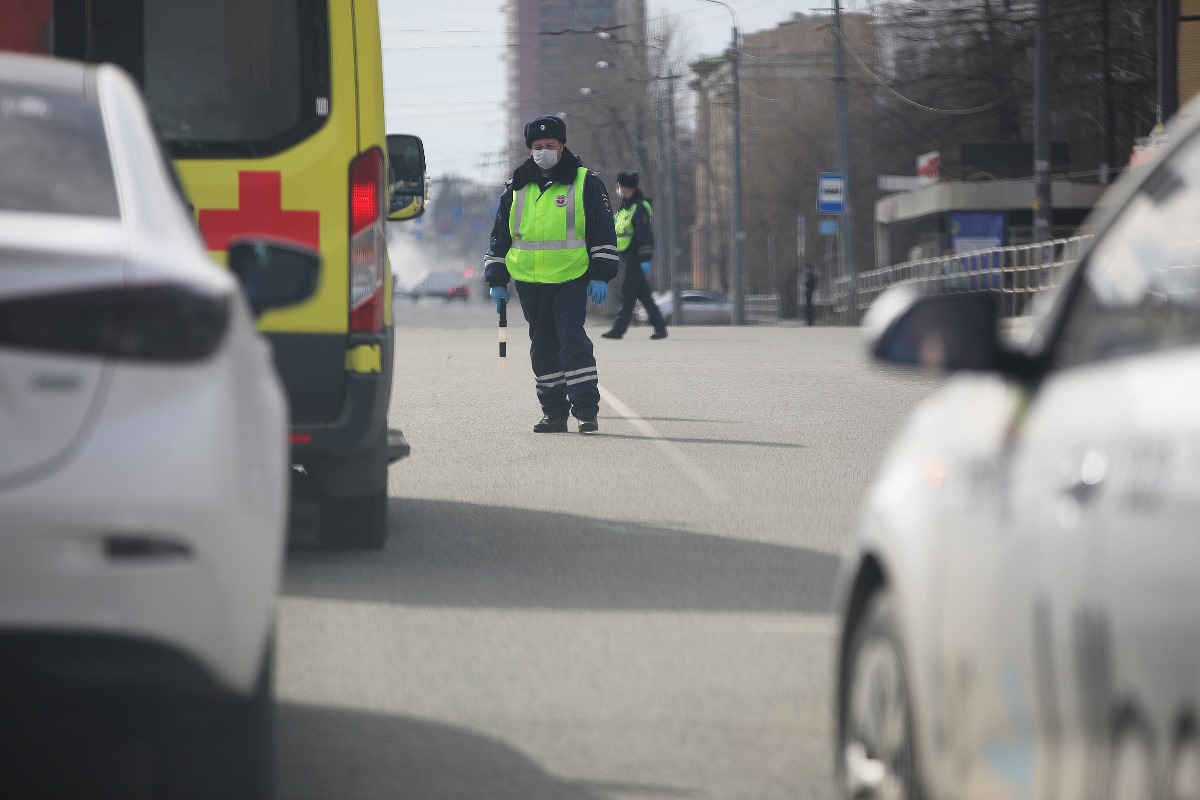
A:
[914,103]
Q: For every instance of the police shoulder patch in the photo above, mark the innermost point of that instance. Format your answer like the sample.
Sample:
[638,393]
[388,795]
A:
[645,218]
[607,207]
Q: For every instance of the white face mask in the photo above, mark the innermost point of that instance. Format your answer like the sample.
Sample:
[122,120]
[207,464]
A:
[545,159]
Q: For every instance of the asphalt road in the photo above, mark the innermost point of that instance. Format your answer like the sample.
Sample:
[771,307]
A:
[643,613]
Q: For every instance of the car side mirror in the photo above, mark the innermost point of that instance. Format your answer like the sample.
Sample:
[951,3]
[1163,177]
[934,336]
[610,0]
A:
[407,185]
[948,332]
[274,274]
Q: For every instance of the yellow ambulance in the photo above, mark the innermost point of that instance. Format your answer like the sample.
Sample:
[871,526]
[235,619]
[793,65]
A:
[272,111]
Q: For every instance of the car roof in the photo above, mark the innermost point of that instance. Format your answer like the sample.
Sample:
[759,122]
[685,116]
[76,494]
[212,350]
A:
[56,74]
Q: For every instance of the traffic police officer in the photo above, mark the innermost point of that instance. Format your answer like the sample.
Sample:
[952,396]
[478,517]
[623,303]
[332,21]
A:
[554,237]
[635,241]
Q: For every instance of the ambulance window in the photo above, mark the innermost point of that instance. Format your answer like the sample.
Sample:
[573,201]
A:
[222,78]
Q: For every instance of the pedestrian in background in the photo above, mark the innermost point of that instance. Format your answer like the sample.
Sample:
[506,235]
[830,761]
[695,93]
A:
[635,241]
[810,287]
[553,236]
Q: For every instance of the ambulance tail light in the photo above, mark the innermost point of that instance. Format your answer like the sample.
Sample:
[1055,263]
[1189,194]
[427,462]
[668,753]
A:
[368,256]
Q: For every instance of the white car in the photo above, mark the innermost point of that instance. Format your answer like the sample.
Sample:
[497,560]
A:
[1020,604]
[700,307]
[144,465]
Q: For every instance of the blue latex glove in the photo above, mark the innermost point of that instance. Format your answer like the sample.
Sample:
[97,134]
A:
[499,294]
[597,291]
[646,268]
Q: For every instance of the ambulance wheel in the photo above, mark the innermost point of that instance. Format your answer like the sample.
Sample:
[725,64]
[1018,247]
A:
[352,493]
[354,523]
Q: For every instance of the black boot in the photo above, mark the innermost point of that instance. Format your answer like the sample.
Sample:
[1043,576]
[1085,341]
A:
[659,334]
[588,425]
[551,425]
[611,335]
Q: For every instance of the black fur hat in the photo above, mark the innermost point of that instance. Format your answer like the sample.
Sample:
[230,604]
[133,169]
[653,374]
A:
[545,128]
[628,178]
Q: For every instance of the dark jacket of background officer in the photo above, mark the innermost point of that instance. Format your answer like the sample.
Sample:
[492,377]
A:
[635,241]
[810,286]
[555,272]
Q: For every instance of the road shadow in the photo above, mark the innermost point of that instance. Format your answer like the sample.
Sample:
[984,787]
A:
[687,419]
[453,554]
[326,753]
[685,440]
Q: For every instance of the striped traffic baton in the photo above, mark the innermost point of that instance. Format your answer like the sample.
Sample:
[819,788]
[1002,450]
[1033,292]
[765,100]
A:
[503,335]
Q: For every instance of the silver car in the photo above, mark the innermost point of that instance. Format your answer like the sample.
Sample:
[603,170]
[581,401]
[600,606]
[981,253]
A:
[700,307]
[1020,604]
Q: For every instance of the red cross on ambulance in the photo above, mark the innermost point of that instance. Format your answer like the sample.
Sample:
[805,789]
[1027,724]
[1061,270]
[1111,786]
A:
[260,212]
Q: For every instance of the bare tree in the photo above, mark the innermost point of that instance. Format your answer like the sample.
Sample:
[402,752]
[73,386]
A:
[962,71]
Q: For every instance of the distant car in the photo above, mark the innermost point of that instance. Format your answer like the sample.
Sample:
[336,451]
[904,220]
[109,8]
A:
[1019,605]
[144,465]
[444,285]
[459,291]
[700,307]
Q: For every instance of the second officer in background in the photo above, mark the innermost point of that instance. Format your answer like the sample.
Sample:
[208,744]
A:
[635,241]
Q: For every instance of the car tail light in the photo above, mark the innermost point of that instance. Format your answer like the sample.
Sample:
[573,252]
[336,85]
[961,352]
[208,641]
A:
[157,322]
[367,242]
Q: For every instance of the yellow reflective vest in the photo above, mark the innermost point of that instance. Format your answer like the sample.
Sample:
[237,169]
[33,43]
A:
[547,231]
[624,223]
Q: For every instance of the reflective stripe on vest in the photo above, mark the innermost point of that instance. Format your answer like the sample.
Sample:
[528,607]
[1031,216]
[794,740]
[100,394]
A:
[624,223]
[548,243]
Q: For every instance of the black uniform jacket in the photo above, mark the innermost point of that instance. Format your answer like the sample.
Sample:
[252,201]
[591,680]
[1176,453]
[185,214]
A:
[601,236]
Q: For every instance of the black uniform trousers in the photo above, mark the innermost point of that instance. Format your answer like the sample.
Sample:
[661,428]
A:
[560,350]
[634,288]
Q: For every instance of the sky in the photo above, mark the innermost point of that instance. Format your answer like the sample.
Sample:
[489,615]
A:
[444,69]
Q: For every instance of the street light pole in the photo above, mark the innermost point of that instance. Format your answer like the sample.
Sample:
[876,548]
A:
[677,317]
[843,158]
[739,287]
[735,249]
[1168,59]
[1042,208]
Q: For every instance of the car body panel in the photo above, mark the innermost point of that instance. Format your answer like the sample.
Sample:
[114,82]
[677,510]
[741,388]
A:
[903,528]
[46,398]
[1154,489]
[163,519]
[203,463]
[1019,582]
[1037,532]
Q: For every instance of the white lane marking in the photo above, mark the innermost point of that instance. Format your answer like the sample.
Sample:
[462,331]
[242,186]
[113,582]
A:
[707,485]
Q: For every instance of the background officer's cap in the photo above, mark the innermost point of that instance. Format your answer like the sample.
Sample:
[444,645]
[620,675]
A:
[628,178]
[545,128]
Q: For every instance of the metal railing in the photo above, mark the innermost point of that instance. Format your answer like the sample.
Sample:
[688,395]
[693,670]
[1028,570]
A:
[1016,273]
[762,309]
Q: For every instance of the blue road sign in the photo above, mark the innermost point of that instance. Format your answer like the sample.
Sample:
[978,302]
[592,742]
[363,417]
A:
[831,193]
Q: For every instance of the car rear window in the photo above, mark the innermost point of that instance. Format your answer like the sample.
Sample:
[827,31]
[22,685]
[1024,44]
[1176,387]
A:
[54,155]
